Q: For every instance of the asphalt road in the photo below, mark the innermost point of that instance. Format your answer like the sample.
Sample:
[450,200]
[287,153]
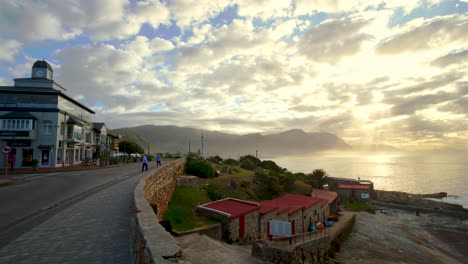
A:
[71,210]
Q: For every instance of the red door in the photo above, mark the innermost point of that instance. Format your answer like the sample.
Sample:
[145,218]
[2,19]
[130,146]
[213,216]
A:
[292,227]
[268,229]
[241,226]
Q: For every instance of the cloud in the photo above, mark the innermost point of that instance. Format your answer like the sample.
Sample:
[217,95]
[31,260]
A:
[33,21]
[409,105]
[8,49]
[458,57]
[238,38]
[332,40]
[188,12]
[427,34]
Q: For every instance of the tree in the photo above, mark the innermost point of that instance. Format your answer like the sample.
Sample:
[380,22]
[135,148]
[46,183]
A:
[317,178]
[267,186]
[130,147]
[249,162]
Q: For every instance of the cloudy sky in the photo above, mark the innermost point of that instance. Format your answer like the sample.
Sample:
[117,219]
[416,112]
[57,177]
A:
[388,72]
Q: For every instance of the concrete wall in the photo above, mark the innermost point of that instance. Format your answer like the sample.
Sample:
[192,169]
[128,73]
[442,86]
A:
[214,231]
[151,242]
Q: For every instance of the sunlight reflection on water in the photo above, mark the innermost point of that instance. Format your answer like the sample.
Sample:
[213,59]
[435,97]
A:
[408,172]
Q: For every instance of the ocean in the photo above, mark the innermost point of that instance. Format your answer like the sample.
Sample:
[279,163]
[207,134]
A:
[407,172]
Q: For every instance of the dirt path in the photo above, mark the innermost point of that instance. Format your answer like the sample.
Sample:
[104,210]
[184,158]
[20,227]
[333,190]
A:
[396,236]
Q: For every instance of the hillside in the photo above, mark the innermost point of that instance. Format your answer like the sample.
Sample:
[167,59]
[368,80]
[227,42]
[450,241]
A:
[176,139]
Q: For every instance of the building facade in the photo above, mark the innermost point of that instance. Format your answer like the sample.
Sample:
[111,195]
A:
[41,123]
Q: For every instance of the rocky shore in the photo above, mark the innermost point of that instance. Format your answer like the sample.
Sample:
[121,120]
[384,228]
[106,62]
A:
[400,236]
[418,201]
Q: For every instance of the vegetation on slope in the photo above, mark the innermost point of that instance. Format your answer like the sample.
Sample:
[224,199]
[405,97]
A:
[247,178]
[181,211]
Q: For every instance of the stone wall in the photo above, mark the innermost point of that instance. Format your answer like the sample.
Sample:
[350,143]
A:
[264,250]
[151,242]
[159,187]
[251,226]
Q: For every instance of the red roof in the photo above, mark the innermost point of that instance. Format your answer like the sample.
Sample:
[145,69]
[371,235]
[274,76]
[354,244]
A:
[232,207]
[356,187]
[322,194]
[290,203]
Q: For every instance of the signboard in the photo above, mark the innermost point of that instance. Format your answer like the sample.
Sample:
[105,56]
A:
[6,149]
[19,143]
[280,228]
[364,195]
[14,133]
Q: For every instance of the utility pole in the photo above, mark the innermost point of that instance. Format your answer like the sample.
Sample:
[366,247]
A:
[256,153]
[202,144]
[189,146]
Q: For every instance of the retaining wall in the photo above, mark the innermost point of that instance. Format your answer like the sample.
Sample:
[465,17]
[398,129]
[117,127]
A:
[151,242]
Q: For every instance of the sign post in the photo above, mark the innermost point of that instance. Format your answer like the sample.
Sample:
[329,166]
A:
[6,149]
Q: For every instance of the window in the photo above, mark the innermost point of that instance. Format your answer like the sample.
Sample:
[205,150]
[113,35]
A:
[46,127]
[16,124]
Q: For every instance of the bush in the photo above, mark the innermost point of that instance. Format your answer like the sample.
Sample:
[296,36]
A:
[249,162]
[271,165]
[231,162]
[216,159]
[199,168]
[213,192]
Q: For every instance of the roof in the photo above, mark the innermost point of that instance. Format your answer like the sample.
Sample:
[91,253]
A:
[42,64]
[356,187]
[74,122]
[322,194]
[290,203]
[98,126]
[231,207]
[18,115]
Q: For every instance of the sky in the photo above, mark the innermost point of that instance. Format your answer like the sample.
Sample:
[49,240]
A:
[371,72]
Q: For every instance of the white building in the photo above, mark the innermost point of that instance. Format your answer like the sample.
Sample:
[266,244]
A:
[41,122]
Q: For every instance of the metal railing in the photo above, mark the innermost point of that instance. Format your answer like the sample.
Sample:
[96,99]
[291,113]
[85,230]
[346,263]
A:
[297,239]
[309,256]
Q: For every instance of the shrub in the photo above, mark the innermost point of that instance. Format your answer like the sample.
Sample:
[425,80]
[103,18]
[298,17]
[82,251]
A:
[271,165]
[213,192]
[199,168]
[216,159]
[231,162]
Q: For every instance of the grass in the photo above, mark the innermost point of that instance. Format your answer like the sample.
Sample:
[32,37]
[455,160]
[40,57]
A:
[358,206]
[181,210]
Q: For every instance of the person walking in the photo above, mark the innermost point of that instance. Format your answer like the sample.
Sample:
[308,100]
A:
[144,163]
[158,160]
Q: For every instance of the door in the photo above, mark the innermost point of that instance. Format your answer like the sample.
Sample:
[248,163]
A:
[45,157]
[241,226]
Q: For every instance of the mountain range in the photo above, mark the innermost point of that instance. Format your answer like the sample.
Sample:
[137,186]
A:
[175,139]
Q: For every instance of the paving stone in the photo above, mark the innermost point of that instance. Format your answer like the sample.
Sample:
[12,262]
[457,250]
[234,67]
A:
[94,230]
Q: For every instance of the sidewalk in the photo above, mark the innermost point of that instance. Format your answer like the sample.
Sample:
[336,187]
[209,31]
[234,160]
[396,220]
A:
[7,180]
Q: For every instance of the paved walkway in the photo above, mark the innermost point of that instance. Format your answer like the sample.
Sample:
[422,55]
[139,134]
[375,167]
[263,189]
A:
[93,230]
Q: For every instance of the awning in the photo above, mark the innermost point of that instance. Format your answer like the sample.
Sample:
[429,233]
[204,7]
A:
[74,122]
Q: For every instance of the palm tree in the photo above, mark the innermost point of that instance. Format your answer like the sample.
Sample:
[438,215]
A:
[318,178]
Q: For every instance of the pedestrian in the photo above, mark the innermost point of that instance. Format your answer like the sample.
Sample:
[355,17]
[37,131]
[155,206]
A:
[158,160]
[144,163]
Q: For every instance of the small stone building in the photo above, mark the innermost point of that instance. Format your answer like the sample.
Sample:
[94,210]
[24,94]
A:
[239,218]
[354,192]
[331,197]
[250,220]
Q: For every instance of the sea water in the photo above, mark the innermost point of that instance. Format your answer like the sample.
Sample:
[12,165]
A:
[408,172]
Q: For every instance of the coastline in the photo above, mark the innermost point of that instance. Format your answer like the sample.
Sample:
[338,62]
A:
[422,202]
